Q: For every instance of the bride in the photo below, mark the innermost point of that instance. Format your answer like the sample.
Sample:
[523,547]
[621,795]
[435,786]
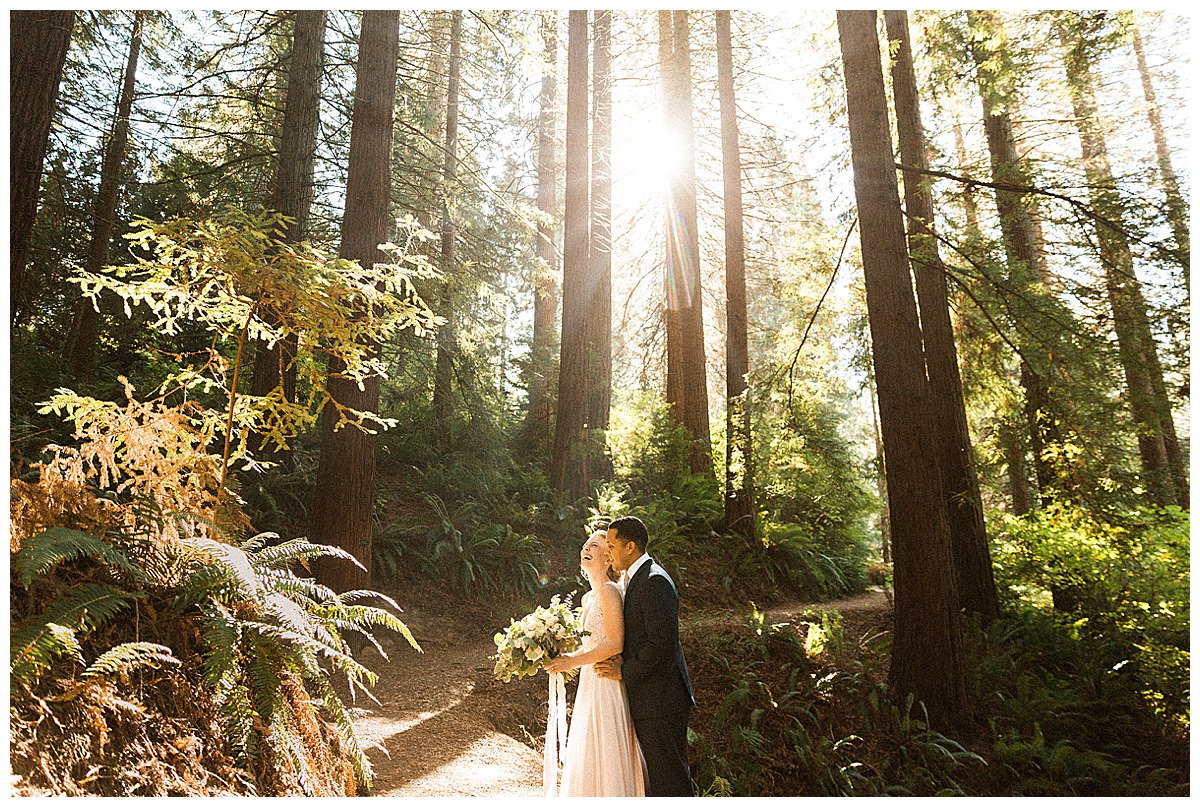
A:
[602,756]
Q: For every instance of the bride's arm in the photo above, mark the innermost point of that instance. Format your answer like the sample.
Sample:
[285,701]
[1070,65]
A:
[608,600]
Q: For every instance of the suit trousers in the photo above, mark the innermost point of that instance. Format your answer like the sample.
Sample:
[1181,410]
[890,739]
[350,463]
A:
[663,740]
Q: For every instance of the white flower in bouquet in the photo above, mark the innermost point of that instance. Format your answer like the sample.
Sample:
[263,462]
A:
[528,643]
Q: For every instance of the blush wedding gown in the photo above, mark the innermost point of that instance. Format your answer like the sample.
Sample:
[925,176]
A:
[602,755]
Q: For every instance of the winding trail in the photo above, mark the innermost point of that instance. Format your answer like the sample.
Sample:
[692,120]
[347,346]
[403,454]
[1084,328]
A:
[437,730]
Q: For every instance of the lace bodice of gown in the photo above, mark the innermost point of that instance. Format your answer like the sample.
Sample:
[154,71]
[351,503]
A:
[593,623]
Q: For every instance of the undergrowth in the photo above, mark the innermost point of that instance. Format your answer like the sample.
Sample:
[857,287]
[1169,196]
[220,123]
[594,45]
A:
[802,707]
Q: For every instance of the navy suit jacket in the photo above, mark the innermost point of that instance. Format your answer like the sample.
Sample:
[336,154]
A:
[655,673]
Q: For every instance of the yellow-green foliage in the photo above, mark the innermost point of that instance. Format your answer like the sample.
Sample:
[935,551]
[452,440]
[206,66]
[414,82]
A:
[237,278]
[137,509]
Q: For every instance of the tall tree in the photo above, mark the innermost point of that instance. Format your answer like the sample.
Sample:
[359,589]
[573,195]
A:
[345,484]
[80,349]
[293,191]
[545,286]
[687,386]
[960,483]
[739,476]
[927,653]
[569,470]
[1177,209]
[996,82]
[600,296]
[444,371]
[1010,435]
[1163,469]
[38,43]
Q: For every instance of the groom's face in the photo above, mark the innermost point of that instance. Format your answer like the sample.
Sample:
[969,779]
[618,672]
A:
[623,553]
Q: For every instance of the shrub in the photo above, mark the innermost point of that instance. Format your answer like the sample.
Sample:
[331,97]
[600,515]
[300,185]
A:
[142,513]
[1122,578]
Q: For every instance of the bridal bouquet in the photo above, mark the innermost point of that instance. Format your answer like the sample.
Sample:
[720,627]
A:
[528,643]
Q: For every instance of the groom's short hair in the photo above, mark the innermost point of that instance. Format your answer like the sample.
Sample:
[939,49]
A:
[631,528]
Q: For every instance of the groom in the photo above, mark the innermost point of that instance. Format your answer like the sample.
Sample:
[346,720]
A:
[652,665]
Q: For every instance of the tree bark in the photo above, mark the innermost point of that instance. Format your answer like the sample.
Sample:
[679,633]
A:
[38,42]
[80,349]
[1018,475]
[600,304]
[960,483]
[293,192]
[545,286]
[927,653]
[739,466]
[885,522]
[1177,208]
[687,386]
[446,334]
[1163,470]
[1020,241]
[345,485]
[569,459]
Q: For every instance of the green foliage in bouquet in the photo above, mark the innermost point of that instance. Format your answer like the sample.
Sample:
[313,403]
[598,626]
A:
[523,648]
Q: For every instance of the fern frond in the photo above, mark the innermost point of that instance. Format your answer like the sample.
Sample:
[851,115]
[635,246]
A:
[221,635]
[126,656]
[282,555]
[366,594]
[44,551]
[343,723]
[36,644]
[288,613]
[257,542]
[234,561]
[362,618]
[297,587]
[237,722]
[264,681]
[285,740]
[341,660]
[53,642]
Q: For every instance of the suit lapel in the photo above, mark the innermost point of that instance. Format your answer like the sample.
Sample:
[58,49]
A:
[643,571]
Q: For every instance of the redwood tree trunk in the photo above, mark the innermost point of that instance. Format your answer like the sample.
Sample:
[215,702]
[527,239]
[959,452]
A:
[1010,436]
[1163,469]
[345,486]
[600,298]
[293,192]
[569,469]
[960,483]
[1020,241]
[38,43]
[80,350]
[927,653]
[545,287]
[444,371]
[1177,209]
[687,387]
[739,476]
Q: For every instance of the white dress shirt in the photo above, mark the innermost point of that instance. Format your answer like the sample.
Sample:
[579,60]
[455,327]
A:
[632,570]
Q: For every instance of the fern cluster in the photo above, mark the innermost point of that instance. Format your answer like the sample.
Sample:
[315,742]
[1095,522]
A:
[271,640]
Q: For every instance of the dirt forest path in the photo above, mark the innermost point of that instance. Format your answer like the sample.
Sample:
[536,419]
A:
[440,711]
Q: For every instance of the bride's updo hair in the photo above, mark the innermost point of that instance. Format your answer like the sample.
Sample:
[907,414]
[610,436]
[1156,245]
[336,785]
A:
[601,534]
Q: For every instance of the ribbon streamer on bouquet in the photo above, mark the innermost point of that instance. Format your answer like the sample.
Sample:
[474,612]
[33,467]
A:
[556,734]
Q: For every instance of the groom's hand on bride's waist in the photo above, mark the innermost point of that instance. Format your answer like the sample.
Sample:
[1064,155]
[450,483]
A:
[609,668]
